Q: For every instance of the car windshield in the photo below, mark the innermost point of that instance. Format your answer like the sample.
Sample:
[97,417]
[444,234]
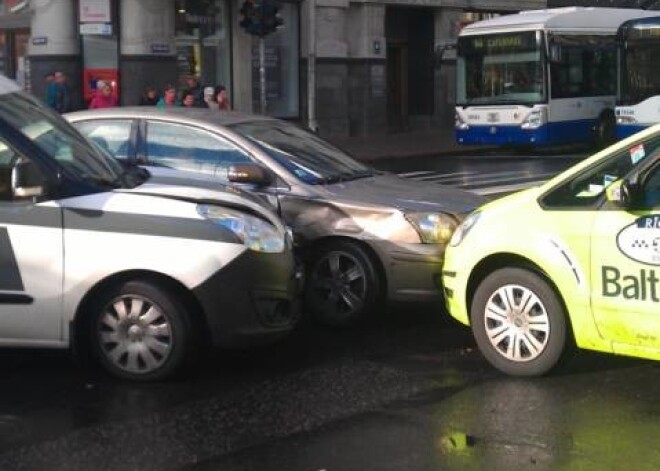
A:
[308,157]
[57,138]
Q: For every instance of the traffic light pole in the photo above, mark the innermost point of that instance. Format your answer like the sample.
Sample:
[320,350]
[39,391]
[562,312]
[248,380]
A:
[311,68]
[262,75]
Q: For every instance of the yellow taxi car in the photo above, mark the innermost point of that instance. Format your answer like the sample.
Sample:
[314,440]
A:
[574,261]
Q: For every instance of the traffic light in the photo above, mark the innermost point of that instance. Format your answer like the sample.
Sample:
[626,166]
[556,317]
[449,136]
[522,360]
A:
[260,17]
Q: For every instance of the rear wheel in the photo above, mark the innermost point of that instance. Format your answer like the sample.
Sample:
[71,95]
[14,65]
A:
[518,322]
[140,332]
[342,284]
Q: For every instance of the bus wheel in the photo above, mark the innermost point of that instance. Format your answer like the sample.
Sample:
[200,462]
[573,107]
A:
[605,130]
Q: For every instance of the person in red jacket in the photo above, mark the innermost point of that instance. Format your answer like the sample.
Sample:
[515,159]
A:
[103,98]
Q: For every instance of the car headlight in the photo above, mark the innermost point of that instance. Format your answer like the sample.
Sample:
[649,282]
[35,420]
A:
[463,229]
[257,234]
[433,228]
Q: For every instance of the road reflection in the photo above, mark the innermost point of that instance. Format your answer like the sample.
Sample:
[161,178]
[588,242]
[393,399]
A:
[597,421]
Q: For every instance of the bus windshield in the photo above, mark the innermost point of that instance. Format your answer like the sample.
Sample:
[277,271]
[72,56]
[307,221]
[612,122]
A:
[500,69]
[640,69]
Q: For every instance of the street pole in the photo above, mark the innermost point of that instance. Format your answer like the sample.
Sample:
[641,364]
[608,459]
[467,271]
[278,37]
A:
[311,69]
[262,75]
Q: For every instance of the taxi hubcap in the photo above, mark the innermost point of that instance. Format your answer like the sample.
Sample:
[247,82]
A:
[517,323]
[135,334]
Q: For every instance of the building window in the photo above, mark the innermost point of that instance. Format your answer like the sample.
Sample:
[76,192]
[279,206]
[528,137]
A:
[203,41]
[282,66]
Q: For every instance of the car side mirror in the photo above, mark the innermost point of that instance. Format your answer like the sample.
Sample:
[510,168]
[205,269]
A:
[27,181]
[624,193]
[253,174]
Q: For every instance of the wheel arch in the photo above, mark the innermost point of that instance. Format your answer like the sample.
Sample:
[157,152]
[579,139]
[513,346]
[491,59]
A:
[80,323]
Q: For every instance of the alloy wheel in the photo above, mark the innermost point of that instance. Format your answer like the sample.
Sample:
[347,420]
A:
[339,282]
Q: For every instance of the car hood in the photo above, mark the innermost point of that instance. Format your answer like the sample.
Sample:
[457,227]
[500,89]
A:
[405,195]
[196,188]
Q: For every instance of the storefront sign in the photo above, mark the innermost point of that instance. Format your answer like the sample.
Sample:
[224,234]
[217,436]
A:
[39,41]
[95,11]
[102,29]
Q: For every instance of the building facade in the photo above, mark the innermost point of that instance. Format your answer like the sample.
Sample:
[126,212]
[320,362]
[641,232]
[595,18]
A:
[379,66]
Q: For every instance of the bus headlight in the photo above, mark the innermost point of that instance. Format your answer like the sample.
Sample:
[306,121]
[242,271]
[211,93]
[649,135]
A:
[257,234]
[626,120]
[433,228]
[459,123]
[535,119]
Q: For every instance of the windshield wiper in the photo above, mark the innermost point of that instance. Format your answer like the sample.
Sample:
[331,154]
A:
[346,176]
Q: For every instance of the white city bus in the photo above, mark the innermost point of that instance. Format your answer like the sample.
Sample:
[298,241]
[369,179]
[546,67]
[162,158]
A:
[539,77]
[638,104]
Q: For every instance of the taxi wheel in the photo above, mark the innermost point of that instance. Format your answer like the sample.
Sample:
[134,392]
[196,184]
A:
[140,332]
[518,322]
[342,284]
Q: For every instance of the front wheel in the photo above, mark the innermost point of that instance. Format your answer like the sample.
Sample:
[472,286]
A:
[139,331]
[518,322]
[342,284]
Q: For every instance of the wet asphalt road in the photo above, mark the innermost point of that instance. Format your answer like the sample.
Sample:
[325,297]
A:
[404,391]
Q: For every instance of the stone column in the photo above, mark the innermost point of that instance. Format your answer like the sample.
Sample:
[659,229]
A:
[445,70]
[147,49]
[55,46]
[367,70]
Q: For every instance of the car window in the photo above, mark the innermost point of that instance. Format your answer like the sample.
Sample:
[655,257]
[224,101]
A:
[586,188]
[112,135]
[188,148]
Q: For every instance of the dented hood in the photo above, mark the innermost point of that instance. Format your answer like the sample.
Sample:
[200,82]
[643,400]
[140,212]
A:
[406,195]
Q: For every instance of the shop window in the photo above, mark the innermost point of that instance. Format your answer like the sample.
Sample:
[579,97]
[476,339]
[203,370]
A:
[203,41]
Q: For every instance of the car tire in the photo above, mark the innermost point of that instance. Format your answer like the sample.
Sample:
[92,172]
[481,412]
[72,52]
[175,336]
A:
[140,332]
[518,322]
[342,284]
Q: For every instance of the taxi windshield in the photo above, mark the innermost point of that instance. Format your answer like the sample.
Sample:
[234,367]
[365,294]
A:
[587,187]
[53,135]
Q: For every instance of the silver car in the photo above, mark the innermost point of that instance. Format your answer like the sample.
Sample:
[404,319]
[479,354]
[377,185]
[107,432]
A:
[363,235]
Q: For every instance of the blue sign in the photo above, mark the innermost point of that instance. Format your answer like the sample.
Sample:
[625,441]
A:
[39,41]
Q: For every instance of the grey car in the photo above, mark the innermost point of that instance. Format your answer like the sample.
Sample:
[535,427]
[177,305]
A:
[363,235]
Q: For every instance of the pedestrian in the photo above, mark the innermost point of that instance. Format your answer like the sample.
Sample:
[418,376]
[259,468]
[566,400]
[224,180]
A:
[168,98]
[193,86]
[221,97]
[209,98]
[103,98]
[51,89]
[188,99]
[150,97]
[62,101]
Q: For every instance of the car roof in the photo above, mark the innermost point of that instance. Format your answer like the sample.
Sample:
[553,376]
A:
[179,113]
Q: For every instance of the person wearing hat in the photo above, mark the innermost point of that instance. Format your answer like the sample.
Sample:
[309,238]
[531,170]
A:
[103,98]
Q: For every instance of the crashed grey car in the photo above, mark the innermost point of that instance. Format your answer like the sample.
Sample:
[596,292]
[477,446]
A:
[363,235]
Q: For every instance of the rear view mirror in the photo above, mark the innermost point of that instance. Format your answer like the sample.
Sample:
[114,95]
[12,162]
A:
[249,173]
[625,194]
[26,180]
[555,52]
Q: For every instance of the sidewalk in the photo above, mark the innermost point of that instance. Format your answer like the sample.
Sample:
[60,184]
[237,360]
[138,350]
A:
[404,144]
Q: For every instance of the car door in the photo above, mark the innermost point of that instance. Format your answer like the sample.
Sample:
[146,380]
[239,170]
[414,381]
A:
[625,264]
[117,136]
[31,263]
